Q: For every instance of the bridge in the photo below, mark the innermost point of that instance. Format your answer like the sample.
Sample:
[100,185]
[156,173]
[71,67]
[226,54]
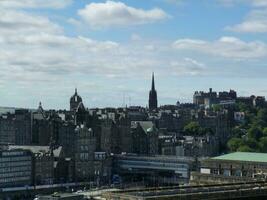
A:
[178,167]
[249,190]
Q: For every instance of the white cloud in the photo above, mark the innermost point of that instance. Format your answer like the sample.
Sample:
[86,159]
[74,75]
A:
[39,57]
[19,22]
[113,13]
[188,66]
[255,22]
[251,26]
[228,47]
[255,3]
[55,4]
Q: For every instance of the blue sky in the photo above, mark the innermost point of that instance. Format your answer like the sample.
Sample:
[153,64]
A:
[109,49]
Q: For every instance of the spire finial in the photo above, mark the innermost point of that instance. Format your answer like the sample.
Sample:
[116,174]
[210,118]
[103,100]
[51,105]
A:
[153,82]
[40,108]
[75,90]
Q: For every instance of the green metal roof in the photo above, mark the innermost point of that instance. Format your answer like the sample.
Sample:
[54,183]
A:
[243,156]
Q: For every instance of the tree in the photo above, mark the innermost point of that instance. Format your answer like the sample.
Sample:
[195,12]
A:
[262,114]
[255,133]
[243,107]
[234,143]
[216,107]
[237,132]
[260,120]
[193,128]
[253,144]
[264,132]
[245,148]
[263,144]
[207,131]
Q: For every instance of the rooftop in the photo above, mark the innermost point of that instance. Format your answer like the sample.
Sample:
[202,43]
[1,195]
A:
[243,156]
[37,149]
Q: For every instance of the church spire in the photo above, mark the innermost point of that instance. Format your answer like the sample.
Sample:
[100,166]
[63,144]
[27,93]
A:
[153,100]
[153,83]
[40,107]
[75,100]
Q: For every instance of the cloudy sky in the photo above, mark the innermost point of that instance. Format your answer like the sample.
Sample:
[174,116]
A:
[108,50]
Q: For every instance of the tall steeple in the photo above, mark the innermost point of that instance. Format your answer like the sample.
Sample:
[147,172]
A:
[153,82]
[75,100]
[153,100]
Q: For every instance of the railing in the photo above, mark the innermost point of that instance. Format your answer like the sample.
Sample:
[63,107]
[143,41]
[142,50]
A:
[208,192]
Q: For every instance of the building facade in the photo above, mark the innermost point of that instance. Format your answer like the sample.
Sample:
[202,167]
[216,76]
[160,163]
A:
[15,168]
[85,147]
[238,166]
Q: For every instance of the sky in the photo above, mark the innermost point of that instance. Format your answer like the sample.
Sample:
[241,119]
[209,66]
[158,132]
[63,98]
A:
[109,49]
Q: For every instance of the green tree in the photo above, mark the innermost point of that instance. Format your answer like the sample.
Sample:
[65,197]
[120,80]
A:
[234,143]
[255,133]
[262,114]
[216,107]
[245,148]
[207,131]
[264,132]
[261,118]
[243,107]
[263,144]
[193,128]
[237,132]
[253,144]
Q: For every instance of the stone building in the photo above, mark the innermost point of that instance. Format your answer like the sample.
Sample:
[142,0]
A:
[42,162]
[80,114]
[145,138]
[124,126]
[110,137]
[202,146]
[207,99]
[102,167]
[167,144]
[7,129]
[85,147]
[252,100]
[67,137]
[218,122]
[233,167]
[44,170]
[40,129]
[23,127]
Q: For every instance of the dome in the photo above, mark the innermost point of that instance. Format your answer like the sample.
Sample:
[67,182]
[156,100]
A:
[76,97]
[75,101]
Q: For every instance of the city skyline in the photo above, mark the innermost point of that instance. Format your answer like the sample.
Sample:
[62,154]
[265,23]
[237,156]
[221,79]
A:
[49,48]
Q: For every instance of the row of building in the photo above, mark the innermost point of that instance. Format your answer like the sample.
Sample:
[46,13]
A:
[207,99]
[82,144]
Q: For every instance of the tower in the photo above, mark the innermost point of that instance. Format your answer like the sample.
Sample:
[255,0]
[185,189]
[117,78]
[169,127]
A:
[75,100]
[153,100]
